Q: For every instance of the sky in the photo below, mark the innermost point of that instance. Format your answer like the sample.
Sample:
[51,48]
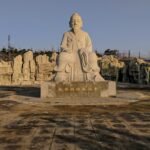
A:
[113,24]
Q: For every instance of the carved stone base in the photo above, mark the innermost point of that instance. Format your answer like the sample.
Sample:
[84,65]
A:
[78,89]
[27,82]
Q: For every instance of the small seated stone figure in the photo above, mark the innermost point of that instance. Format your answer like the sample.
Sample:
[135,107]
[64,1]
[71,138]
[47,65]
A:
[77,61]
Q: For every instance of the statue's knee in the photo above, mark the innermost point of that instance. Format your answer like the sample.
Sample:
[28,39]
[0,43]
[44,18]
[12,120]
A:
[65,57]
[92,57]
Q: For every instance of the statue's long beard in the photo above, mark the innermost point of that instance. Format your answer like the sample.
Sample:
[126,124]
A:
[76,30]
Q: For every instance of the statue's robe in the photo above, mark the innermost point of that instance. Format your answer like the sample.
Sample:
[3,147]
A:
[71,44]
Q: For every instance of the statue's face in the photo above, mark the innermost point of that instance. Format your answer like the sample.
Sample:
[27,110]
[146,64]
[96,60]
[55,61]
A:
[76,23]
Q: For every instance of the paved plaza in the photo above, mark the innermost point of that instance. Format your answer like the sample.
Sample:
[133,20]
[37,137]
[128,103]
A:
[30,123]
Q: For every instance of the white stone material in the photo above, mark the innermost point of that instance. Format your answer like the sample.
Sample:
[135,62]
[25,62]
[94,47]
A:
[112,88]
[17,70]
[77,61]
[44,67]
[78,89]
[28,67]
[5,72]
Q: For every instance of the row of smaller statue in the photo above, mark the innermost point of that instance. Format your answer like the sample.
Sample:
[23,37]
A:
[131,70]
[25,69]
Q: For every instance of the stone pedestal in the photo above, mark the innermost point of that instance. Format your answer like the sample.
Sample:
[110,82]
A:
[78,89]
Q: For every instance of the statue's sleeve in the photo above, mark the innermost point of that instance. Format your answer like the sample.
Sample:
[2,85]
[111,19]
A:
[88,43]
[63,44]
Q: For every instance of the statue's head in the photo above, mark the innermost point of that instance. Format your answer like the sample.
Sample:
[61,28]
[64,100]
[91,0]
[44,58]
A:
[75,21]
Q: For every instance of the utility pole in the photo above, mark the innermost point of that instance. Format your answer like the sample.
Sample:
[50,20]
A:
[129,54]
[139,54]
[9,45]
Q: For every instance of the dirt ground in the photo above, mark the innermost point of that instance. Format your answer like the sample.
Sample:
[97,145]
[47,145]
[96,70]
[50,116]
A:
[30,123]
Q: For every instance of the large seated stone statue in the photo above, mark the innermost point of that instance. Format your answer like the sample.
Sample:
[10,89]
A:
[77,70]
[77,61]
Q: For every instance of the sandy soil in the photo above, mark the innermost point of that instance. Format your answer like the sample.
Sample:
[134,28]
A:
[30,123]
